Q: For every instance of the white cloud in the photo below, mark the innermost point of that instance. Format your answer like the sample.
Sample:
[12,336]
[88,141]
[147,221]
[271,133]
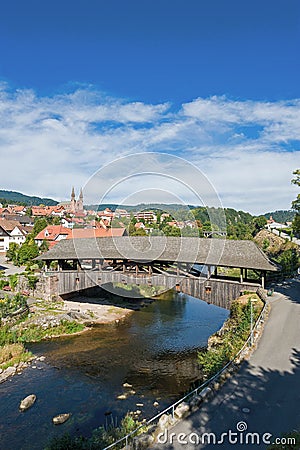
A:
[248,149]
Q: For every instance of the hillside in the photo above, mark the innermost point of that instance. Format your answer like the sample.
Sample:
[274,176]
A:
[281,216]
[280,250]
[272,244]
[140,207]
[18,197]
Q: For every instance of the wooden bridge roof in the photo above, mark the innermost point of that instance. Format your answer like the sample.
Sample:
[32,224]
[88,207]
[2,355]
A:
[216,252]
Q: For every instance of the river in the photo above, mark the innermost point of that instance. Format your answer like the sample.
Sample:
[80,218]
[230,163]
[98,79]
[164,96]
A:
[154,350]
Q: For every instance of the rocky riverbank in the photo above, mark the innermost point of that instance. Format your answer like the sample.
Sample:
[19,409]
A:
[48,320]
[18,368]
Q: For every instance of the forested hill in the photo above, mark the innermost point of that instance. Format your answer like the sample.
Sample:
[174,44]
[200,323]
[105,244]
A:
[17,197]
[281,216]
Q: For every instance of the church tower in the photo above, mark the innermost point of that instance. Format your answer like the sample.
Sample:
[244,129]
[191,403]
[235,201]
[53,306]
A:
[80,202]
[73,201]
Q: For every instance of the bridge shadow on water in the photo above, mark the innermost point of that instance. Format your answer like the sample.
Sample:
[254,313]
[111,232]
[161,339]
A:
[129,299]
[265,400]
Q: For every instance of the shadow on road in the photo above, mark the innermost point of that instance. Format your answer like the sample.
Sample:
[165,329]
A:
[291,289]
[274,408]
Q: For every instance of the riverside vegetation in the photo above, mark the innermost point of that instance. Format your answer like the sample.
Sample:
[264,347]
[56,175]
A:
[101,437]
[16,330]
[226,343]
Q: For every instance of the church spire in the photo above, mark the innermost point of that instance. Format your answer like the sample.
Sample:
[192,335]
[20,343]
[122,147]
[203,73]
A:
[81,194]
[73,193]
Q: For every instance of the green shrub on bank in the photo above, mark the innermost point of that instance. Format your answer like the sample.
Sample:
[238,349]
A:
[9,304]
[229,341]
[100,438]
[290,441]
[35,333]
[11,354]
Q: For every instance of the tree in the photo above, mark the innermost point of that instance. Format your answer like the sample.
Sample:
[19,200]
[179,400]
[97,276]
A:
[259,223]
[296,204]
[39,225]
[12,252]
[44,246]
[32,281]
[296,224]
[27,252]
[13,281]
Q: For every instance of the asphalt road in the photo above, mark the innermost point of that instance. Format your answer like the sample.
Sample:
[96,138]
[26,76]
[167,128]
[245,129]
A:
[8,267]
[268,386]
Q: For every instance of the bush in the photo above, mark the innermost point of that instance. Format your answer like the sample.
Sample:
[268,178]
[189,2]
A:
[101,437]
[289,261]
[294,436]
[9,305]
[68,442]
[235,332]
[3,283]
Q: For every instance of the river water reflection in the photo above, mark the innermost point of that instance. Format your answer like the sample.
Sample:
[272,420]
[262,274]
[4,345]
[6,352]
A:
[154,350]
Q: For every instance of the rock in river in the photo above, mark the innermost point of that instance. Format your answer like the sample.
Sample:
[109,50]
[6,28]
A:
[61,418]
[27,402]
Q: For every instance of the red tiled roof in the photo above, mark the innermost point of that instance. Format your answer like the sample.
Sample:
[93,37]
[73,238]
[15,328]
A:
[51,233]
[82,233]
[46,210]
[18,208]
[3,210]
[139,225]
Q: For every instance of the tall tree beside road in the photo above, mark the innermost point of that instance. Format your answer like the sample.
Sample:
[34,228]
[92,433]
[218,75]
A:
[296,204]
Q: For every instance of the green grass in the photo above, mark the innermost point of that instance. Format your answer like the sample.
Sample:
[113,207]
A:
[11,354]
[35,333]
[49,306]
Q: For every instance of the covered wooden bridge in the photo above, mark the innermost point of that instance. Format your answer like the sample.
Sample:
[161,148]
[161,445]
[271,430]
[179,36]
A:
[192,265]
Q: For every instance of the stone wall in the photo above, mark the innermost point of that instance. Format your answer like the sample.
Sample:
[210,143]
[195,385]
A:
[46,287]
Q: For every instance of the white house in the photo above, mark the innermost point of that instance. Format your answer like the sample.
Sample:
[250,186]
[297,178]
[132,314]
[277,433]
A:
[276,225]
[67,223]
[4,240]
[14,231]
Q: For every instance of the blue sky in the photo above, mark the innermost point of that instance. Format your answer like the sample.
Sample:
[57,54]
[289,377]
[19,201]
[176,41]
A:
[216,83]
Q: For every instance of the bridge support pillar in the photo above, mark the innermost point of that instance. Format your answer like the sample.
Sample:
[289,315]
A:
[263,278]
[242,275]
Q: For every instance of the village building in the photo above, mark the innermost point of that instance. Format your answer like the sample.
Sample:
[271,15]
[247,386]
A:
[25,221]
[4,240]
[52,234]
[147,216]
[67,222]
[106,215]
[14,232]
[122,213]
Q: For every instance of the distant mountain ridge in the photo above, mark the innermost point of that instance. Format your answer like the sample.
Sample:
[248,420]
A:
[140,207]
[232,215]
[12,196]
